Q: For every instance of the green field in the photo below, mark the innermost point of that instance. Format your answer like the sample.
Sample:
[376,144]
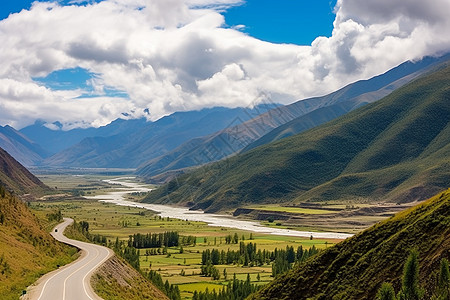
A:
[117,221]
[178,268]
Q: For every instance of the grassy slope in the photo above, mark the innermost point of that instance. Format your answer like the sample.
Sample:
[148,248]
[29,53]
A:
[27,251]
[394,149]
[16,178]
[116,280]
[356,267]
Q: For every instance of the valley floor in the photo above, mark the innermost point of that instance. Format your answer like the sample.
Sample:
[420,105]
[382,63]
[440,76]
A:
[183,267]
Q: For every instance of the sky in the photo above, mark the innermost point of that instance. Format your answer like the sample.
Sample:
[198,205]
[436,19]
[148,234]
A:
[86,63]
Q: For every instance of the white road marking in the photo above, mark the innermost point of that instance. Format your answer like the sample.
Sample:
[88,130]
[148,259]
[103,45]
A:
[65,281]
[84,278]
[42,292]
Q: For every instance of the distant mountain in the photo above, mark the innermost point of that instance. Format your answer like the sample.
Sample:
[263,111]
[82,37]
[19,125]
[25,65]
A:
[356,267]
[21,147]
[396,149]
[56,140]
[130,149]
[325,114]
[286,120]
[17,179]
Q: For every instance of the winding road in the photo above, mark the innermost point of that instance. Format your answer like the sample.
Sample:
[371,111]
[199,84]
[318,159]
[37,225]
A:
[71,282]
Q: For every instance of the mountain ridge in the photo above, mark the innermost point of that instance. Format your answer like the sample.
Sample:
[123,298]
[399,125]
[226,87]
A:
[17,179]
[21,147]
[131,149]
[326,163]
[305,114]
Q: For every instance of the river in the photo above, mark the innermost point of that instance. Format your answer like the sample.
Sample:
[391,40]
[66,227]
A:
[128,187]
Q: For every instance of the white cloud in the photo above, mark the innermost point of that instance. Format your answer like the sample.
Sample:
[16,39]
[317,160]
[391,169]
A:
[171,55]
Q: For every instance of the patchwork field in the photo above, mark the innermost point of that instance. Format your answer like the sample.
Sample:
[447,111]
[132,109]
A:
[183,269]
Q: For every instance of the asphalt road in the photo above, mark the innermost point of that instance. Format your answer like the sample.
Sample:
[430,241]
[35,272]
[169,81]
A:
[71,282]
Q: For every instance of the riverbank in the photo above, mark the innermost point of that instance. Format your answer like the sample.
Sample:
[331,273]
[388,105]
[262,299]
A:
[127,186]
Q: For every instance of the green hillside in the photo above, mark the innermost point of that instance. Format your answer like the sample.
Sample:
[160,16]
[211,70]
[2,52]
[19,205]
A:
[396,149]
[17,179]
[356,267]
[315,118]
[27,251]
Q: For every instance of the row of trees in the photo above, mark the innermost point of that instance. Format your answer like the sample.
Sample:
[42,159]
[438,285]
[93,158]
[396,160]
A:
[209,270]
[172,291]
[235,290]
[55,216]
[411,289]
[154,240]
[158,240]
[234,239]
[248,255]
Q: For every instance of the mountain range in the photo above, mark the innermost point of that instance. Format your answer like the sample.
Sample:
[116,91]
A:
[179,142]
[130,149]
[284,121]
[58,139]
[396,149]
[21,147]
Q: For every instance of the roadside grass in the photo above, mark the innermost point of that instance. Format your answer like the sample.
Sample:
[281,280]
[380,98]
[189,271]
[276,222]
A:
[27,251]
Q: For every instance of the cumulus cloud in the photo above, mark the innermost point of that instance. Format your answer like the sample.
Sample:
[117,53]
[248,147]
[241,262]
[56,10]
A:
[172,55]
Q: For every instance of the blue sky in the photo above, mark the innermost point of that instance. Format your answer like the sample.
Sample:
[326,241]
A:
[277,21]
[284,21]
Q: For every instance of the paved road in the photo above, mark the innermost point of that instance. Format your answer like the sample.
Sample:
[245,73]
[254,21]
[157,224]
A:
[71,282]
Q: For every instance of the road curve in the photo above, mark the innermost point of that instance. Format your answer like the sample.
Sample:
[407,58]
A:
[71,282]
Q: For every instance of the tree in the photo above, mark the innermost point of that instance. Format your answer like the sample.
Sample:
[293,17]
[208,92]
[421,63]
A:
[215,273]
[443,287]
[235,238]
[386,292]
[411,289]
